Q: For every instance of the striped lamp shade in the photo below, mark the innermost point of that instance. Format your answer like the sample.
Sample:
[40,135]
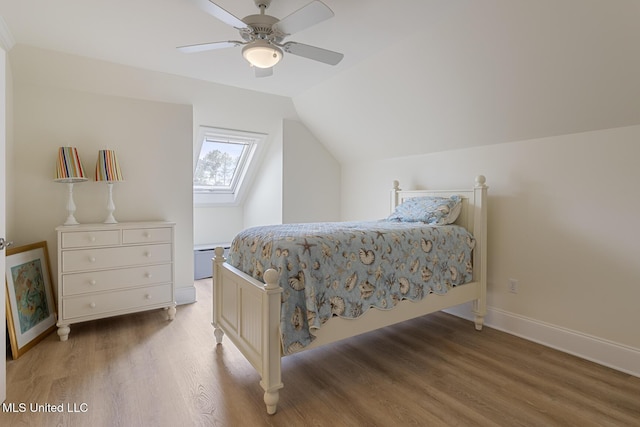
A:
[107,167]
[69,168]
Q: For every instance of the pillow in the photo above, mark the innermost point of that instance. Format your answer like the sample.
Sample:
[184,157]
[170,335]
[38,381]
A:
[430,210]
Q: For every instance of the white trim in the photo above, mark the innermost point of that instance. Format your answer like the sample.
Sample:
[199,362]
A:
[185,294]
[6,38]
[604,352]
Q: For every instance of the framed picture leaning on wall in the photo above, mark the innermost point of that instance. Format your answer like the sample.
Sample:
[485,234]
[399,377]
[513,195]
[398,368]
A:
[31,309]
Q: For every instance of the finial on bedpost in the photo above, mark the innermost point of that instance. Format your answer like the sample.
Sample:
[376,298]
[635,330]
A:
[480,181]
[271,279]
[396,185]
[219,253]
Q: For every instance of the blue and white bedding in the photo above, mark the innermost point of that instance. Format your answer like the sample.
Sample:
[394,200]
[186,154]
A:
[345,268]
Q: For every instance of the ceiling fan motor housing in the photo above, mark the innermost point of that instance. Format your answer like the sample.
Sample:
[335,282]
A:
[261,27]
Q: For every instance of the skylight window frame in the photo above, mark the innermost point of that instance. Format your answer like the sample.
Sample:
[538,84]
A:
[227,195]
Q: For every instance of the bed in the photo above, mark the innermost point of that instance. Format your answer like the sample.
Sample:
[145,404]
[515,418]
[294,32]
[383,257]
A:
[257,303]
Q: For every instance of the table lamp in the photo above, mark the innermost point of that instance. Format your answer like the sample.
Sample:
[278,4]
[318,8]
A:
[69,171]
[108,169]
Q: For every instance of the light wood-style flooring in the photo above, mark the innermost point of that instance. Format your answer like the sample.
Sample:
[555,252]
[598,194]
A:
[140,370]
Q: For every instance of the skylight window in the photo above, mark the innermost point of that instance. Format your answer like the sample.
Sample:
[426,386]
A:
[222,165]
[217,167]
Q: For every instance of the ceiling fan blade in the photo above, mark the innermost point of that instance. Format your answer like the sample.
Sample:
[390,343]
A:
[312,52]
[263,72]
[213,9]
[207,46]
[305,17]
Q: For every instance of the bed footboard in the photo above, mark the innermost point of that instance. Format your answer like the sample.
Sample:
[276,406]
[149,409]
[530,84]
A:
[248,312]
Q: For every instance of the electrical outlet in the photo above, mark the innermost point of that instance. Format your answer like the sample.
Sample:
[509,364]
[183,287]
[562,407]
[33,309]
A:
[513,286]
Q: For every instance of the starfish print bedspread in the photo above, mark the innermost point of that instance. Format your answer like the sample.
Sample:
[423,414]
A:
[345,268]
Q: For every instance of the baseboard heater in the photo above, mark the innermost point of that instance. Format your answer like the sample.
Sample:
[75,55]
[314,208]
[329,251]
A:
[202,254]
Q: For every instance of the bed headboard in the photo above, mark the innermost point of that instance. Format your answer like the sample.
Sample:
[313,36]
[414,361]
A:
[473,215]
[473,200]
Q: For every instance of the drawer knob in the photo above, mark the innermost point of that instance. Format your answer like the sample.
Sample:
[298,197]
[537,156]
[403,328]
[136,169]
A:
[92,305]
[148,296]
[148,275]
[147,234]
[147,254]
[92,282]
[92,238]
[92,259]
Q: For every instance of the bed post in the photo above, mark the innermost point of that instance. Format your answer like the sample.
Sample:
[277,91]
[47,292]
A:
[394,194]
[218,260]
[480,251]
[271,381]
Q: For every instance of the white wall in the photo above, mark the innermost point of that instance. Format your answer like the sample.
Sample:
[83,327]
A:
[298,181]
[153,144]
[212,225]
[213,105]
[264,202]
[311,178]
[562,220]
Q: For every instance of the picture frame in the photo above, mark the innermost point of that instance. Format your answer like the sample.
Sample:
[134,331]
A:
[30,304]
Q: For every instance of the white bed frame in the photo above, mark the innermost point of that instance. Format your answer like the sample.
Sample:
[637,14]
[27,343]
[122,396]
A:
[248,311]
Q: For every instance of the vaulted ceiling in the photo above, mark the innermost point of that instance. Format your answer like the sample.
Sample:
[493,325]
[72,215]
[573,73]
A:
[486,72]
[418,75]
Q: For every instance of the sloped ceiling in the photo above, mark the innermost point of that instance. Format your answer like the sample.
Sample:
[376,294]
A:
[486,72]
[418,76]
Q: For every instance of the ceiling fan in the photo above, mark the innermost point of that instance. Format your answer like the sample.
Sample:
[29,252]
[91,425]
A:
[263,35]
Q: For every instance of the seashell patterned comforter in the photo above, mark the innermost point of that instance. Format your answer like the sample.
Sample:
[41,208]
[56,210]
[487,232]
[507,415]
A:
[345,268]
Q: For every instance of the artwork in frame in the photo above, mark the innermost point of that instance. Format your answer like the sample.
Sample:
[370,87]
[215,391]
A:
[31,309]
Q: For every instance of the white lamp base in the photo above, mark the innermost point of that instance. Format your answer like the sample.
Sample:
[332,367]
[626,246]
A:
[110,206]
[71,207]
[71,220]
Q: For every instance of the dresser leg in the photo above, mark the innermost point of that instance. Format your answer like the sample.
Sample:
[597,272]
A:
[63,332]
[171,312]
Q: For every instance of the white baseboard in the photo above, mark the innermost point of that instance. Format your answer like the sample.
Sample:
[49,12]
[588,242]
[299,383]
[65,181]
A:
[613,355]
[185,294]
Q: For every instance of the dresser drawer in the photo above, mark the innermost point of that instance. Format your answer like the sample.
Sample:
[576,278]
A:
[83,239]
[146,235]
[117,301]
[102,258]
[96,281]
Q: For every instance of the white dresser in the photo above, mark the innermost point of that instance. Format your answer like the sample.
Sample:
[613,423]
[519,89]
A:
[111,269]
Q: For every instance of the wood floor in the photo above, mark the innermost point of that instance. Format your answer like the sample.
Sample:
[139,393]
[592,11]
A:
[140,370]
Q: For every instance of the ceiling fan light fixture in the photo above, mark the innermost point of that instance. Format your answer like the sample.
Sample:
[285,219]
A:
[262,54]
